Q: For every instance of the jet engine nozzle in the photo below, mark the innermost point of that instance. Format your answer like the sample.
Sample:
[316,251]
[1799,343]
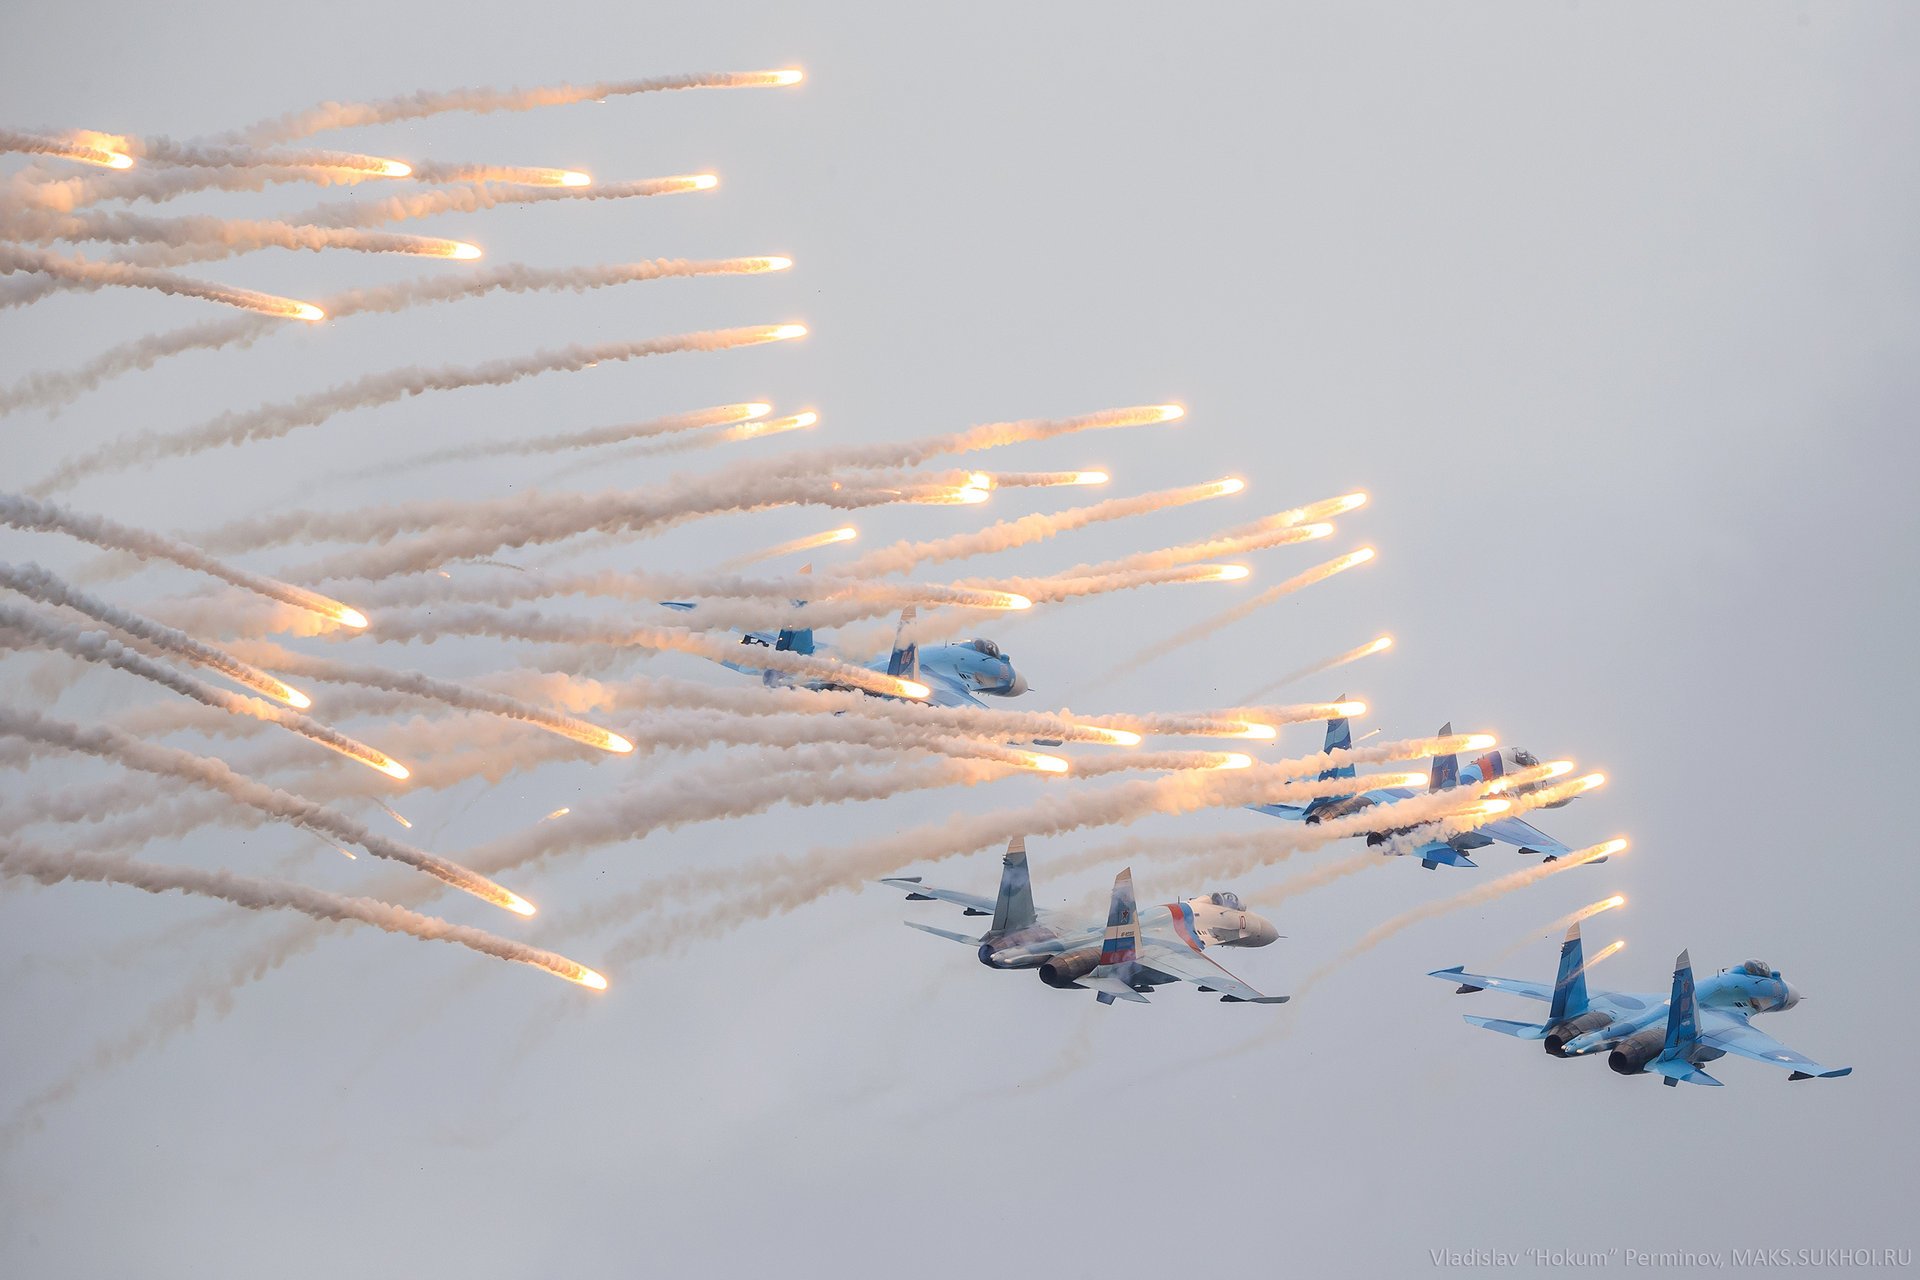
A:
[1560,1034]
[1631,1056]
[1069,967]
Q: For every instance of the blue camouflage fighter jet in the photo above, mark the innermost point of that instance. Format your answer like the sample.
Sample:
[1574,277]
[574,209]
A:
[1648,1035]
[1445,772]
[1134,952]
[956,675]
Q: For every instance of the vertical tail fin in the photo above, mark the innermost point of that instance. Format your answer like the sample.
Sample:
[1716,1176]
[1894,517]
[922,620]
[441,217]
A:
[905,661]
[1013,909]
[1339,738]
[1570,986]
[796,639]
[1683,1018]
[1446,769]
[1122,941]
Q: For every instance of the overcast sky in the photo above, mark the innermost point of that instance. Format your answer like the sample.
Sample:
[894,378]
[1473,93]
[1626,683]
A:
[1610,307]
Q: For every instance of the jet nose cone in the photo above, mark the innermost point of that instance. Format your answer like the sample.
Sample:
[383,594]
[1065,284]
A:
[1260,931]
[1018,686]
[1794,995]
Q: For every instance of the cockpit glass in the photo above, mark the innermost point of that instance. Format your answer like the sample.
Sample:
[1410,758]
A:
[1525,759]
[1758,968]
[1231,901]
[987,647]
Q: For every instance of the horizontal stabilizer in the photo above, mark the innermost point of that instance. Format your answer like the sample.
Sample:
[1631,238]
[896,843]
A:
[1678,1069]
[1434,853]
[1254,999]
[1518,1030]
[942,933]
[1109,989]
[1834,1074]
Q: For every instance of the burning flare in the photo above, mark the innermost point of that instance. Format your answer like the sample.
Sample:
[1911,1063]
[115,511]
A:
[1045,763]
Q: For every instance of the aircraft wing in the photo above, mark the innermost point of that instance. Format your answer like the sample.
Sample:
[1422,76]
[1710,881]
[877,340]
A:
[1720,1029]
[1178,960]
[1481,982]
[947,691]
[973,902]
[1524,834]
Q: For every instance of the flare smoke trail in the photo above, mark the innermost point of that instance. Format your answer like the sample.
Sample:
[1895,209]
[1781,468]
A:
[1256,723]
[99,274]
[650,693]
[793,547]
[52,389]
[33,144]
[529,625]
[469,529]
[618,433]
[902,556]
[1319,573]
[194,155]
[95,646]
[782,885]
[274,420]
[452,693]
[256,894]
[830,601]
[35,516]
[369,213]
[234,234]
[1042,479]
[35,582]
[726,791]
[416,106]
[427,204]
[1471,898]
[1299,524]
[1561,923]
[215,775]
[1378,644]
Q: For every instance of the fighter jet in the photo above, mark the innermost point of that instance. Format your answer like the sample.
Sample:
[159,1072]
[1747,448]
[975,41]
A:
[955,674]
[1135,951]
[1644,1034]
[1445,772]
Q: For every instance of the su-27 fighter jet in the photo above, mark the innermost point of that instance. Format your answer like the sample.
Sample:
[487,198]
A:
[1134,953]
[954,674]
[1445,772]
[1644,1034]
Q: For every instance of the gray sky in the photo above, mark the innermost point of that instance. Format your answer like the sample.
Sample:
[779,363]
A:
[1611,308]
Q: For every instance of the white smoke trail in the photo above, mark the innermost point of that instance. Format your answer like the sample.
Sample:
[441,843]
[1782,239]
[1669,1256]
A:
[1379,644]
[97,647]
[1199,631]
[216,775]
[729,790]
[85,152]
[902,556]
[274,420]
[235,235]
[95,275]
[36,583]
[594,438]
[530,625]
[1470,898]
[784,884]
[50,390]
[467,530]
[454,694]
[36,516]
[256,894]
[415,106]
